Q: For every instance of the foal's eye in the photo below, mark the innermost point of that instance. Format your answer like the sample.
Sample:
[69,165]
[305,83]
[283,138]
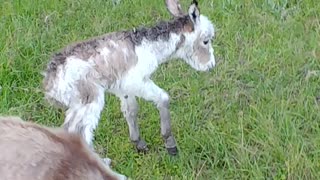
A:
[205,42]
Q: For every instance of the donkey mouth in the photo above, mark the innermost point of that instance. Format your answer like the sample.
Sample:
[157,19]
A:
[210,66]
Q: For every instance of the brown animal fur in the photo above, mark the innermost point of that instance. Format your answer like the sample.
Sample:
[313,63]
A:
[32,152]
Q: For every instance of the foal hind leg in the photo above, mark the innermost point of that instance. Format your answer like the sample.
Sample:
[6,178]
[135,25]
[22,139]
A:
[83,116]
[130,108]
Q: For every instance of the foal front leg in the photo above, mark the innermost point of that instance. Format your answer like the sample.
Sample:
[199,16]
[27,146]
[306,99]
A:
[151,92]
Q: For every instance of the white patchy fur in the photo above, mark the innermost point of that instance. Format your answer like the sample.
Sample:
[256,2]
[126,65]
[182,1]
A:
[205,30]
[63,90]
[135,82]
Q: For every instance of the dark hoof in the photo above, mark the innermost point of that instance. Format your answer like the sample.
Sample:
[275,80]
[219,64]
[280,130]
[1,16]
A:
[143,151]
[172,151]
[141,146]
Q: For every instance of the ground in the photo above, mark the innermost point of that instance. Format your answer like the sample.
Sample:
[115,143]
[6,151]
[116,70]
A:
[255,116]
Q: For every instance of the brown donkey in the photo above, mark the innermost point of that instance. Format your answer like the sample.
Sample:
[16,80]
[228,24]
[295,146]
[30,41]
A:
[32,152]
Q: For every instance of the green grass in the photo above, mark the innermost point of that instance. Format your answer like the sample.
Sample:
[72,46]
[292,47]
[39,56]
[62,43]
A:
[255,116]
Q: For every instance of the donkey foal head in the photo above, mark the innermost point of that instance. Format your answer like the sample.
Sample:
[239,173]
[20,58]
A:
[198,33]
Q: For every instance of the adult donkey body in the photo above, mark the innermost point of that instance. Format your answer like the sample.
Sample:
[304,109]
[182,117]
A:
[31,151]
[121,63]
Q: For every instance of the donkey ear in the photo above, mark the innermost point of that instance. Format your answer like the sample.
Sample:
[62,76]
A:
[174,8]
[194,12]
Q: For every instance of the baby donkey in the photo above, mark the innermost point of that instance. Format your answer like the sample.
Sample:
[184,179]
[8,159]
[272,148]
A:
[121,63]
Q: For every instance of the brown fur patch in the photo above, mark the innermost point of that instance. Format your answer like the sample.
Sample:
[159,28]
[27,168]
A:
[87,90]
[189,27]
[180,43]
[121,58]
[30,151]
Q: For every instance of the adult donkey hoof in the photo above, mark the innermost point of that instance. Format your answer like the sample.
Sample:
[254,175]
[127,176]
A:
[172,151]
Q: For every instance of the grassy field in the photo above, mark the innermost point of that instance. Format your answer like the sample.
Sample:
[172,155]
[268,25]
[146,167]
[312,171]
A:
[255,116]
